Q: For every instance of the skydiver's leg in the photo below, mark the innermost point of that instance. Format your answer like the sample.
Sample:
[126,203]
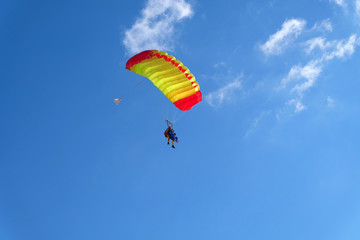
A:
[173,144]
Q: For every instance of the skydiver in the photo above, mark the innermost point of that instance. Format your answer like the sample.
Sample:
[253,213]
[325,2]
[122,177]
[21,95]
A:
[170,134]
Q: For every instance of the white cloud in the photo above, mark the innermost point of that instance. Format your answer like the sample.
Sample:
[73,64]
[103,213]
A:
[307,76]
[155,28]
[339,2]
[318,42]
[342,48]
[349,5]
[324,25]
[333,49]
[297,104]
[302,78]
[309,73]
[216,98]
[220,74]
[277,42]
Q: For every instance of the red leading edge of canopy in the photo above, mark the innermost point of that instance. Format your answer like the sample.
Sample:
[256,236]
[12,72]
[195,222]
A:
[188,102]
[138,58]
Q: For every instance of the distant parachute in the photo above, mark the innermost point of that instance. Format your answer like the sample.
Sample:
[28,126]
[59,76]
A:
[169,75]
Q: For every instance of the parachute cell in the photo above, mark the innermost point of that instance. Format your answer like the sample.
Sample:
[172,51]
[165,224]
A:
[169,75]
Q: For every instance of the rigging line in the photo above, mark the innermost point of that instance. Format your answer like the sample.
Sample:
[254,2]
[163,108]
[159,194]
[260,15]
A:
[117,100]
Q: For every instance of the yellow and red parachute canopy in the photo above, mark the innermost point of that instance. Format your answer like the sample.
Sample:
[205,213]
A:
[169,75]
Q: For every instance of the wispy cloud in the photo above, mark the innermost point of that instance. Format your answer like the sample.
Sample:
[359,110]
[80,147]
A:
[224,94]
[324,25]
[333,49]
[308,73]
[155,28]
[318,42]
[350,6]
[339,2]
[231,82]
[255,123]
[302,78]
[342,48]
[297,104]
[280,40]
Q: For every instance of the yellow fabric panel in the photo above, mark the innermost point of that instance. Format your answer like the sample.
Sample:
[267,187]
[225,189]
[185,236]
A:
[168,87]
[157,76]
[159,67]
[180,93]
[145,68]
[176,87]
[172,79]
[164,83]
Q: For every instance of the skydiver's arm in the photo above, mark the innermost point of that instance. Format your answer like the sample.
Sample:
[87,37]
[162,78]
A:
[168,123]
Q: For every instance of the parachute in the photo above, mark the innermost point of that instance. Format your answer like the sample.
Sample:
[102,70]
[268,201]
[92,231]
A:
[169,75]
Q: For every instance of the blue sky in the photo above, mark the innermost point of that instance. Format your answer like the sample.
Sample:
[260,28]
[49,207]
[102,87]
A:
[272,151]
